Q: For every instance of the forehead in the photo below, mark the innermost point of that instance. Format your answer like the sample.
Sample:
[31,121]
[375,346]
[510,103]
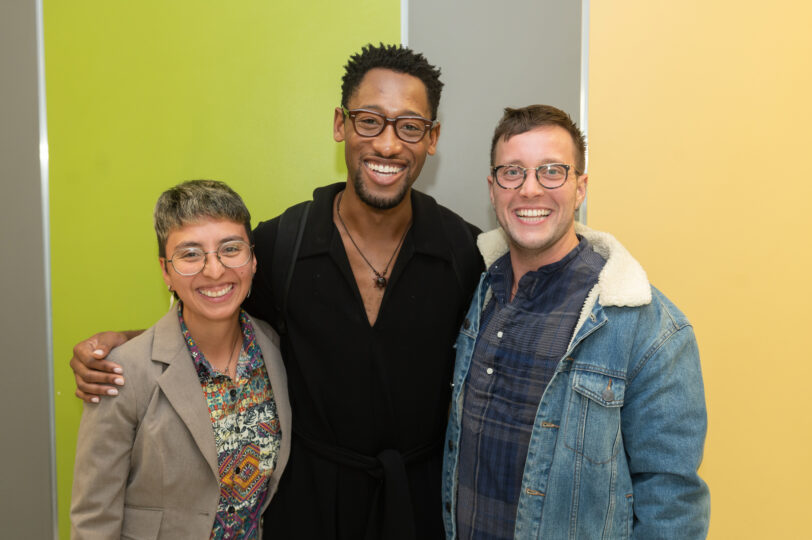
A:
[392,93]
[539,145]
[206,230]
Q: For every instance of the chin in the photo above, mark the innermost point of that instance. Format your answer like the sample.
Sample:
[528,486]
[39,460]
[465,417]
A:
[376,201]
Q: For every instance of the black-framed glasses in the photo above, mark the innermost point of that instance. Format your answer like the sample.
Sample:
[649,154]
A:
[410,129]
[549,175]
[189,261]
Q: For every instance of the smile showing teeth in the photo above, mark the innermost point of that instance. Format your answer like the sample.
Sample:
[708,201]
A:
[383,169]
[532,213]
[216,293]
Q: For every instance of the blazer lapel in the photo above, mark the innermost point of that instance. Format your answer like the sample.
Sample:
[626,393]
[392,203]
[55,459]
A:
[180,384]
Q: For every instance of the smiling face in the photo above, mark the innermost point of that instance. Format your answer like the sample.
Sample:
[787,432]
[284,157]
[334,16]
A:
[539,222]
[381,169]
[214,294]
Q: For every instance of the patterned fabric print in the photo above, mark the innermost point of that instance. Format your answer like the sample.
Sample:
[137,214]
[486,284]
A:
[519,345]
[246,432]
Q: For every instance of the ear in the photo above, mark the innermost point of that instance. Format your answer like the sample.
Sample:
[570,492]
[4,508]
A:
[433,136]
[580,189]
[490,188]
[165,272]
[254,265]
[338,125]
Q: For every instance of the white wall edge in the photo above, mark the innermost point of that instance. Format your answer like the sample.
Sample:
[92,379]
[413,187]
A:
[584,112]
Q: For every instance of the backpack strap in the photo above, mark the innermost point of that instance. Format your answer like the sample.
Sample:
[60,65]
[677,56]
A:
[465,258]
[285,252]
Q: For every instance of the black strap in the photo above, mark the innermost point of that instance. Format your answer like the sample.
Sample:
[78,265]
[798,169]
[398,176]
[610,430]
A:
[286,251]
[465,257]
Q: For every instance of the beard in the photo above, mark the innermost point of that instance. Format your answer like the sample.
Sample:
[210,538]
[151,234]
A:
[379,203]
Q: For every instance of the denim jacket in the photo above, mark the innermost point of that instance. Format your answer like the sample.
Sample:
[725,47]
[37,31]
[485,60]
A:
[620,429]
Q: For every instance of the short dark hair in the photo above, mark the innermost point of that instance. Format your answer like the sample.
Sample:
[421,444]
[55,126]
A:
[396,58]
[193,200]
[518,121]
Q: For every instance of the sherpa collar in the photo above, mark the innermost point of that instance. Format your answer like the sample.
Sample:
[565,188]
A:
[622,282]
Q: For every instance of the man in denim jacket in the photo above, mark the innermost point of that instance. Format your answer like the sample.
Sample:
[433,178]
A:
[578,408]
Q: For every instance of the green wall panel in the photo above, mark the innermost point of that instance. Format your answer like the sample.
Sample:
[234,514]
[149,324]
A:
[143,95]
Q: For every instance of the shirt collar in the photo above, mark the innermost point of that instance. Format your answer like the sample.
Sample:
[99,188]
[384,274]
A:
[501,273]
[425,236]
[249,352]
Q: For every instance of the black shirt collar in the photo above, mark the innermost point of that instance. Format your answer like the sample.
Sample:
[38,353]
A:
[426,235]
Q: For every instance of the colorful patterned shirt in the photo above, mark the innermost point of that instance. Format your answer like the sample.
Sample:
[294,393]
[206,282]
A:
[519,345]
[246,433]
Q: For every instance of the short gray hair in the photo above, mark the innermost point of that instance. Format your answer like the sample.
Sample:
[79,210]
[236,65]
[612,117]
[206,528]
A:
[191,201]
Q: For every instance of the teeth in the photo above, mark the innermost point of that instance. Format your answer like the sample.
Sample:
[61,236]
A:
[217,294]
[533,213]
[384,169]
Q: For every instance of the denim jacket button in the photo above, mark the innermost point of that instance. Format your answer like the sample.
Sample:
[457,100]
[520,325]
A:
[466,324]
[450,445]
[448,507]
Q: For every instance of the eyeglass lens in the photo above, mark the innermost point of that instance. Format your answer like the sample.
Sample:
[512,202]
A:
[192,260]
[408,128]
[550,176]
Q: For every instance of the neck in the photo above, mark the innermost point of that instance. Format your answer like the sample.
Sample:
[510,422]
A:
[214,338]
[374,224]
[523,260]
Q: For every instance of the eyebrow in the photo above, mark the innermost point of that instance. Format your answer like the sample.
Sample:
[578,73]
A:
[377,109]
[190,243]
[544,162]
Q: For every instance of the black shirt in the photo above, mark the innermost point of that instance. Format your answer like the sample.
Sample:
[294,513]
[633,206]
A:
[366,389]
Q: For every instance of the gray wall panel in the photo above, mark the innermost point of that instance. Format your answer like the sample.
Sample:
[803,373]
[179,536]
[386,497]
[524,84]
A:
[492,55]
[28,506]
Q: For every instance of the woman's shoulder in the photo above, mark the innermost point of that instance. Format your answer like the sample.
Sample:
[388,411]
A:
[136,355]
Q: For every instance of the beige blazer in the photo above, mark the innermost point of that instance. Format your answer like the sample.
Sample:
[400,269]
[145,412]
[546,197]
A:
[146,460]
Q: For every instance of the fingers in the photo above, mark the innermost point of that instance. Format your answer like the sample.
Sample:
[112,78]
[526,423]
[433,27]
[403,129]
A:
[94,375]
[97,348]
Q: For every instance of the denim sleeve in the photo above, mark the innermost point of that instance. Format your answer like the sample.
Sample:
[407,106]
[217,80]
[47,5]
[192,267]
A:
[664,423]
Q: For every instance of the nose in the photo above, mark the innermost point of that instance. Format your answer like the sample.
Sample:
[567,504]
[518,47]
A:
[531,187]
[213,267]
[387,143]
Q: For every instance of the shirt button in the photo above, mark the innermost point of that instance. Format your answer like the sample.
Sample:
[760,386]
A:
[499,334]
[230,509]
[233,393]
[489,371]
[236,470]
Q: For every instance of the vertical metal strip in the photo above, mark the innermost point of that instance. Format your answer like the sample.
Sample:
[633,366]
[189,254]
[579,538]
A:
[584,112]
[46,243]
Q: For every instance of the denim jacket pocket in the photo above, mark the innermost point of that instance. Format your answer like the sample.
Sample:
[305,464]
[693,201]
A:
[594,408]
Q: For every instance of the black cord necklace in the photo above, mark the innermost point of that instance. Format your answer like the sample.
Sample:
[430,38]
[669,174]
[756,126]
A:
[380,277]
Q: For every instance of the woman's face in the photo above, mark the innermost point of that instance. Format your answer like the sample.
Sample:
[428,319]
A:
[216,292]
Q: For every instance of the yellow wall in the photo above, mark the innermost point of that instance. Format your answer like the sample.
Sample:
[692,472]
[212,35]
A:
[699,123]
[142,95]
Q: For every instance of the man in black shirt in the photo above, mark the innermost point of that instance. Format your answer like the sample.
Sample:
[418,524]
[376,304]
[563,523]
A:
[382,278]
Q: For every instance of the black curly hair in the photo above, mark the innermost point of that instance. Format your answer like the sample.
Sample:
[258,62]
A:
[396,58]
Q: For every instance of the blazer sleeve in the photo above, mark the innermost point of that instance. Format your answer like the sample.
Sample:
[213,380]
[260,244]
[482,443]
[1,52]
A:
[106,434]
